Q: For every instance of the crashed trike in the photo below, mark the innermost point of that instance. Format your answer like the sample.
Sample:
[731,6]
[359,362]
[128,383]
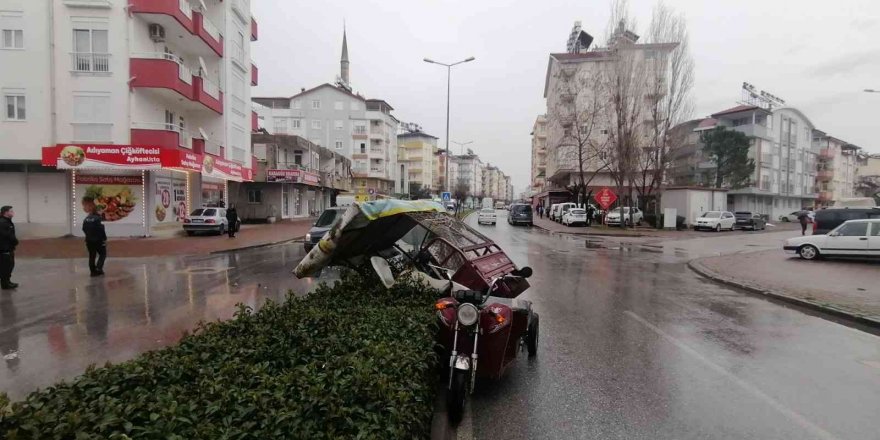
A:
[482,326]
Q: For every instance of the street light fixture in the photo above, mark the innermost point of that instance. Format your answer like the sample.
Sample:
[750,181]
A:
[461,145]
[448,81]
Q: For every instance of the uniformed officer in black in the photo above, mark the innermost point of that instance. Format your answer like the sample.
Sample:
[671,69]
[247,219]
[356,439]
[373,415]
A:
[8,242]
[96,242]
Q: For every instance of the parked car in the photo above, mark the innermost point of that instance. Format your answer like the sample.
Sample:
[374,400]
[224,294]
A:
[486,216]
[563,208]
[575,216]
[552,212]
[520,213]
[854,238]
[749,220]
[793,217]
[208,220]
[614,217]
[715,220]
[325,221]
[828,219]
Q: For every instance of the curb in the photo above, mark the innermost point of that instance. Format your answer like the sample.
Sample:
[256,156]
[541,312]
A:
[868,321]
[255,246]
[597,234]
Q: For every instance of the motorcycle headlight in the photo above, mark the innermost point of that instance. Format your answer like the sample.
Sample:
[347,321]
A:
[308,237]
[467,314]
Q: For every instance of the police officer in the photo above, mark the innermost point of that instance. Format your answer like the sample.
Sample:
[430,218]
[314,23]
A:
[96,241]
[8,242]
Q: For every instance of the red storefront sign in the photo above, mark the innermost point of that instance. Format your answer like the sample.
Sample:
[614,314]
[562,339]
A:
[282,176]
[66,157]
[222,169]
[183,160]
[605,197]
[310,178]
[108,180]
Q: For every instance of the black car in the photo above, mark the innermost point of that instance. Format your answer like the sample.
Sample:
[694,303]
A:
[520,213]
[326,221]
[830,218]
[749,220]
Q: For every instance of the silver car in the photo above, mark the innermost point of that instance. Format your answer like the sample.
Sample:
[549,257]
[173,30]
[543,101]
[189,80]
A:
[208,220]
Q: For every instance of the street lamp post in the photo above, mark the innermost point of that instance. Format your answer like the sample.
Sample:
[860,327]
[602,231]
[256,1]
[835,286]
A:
[448,81]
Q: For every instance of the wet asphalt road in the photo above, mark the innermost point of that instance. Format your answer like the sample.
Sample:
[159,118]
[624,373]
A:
[633,344]
[60,320]
[636,346]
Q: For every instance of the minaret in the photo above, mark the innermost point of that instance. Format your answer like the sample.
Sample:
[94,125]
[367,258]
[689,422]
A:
[343,63]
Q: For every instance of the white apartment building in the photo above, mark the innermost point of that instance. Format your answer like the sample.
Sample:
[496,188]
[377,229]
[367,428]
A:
[837,168]
[416,151]
[467,170]
[140,105]
[539,154]
[332,116]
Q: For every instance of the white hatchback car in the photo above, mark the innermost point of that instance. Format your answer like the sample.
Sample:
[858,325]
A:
[854,238]
[573,216]
[486,216]
[715,221]
[613,217]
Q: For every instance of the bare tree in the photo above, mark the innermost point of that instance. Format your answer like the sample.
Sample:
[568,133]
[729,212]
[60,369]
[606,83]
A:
[670,80]
[579,112]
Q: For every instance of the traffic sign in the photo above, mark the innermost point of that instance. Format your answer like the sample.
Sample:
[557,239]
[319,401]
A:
[605,197]
[446,196]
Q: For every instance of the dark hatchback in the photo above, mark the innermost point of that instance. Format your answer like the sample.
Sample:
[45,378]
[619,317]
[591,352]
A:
[749,220]
[520,213]
[326,221]
[830,218]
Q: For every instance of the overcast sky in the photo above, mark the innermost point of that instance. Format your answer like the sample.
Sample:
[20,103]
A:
[817,55]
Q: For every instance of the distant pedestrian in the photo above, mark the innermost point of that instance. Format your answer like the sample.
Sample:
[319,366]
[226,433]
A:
[804,218]
[96,239]
[232,220]
[8,243]
[590,213]
[540,211]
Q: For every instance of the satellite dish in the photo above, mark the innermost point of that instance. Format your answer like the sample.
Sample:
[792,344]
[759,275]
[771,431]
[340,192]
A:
[204,136]
[204,7]
[203,66]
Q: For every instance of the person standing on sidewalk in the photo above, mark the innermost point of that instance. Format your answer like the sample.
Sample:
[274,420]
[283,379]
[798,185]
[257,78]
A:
[231,220]
[803,217]
[8,242]
[590,213]
[96,241]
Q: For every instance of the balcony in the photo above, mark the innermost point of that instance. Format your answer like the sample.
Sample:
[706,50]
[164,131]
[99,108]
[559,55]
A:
[255,121]
[825,175]
[181,23]
[253,29]
[160,134]
[208,32]
[753,130]
[90,63]
[208,94]
[168,77]
[255,74]
[359,133]
[825,196]
[826,153]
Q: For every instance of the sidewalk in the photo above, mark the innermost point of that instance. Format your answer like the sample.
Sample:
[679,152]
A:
[844,288]
[645,231]
[249,236]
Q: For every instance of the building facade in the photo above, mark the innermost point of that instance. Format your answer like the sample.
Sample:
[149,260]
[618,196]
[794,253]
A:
[838,163]
[142,103]
[539,154]
[416,152]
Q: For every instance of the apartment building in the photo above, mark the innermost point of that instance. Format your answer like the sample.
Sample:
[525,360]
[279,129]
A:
[415,159]
[334,117]
[838,163]
[539,154]
[136,105]
[868,177]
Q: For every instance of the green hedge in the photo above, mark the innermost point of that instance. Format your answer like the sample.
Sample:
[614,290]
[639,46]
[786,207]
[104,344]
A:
[350,361]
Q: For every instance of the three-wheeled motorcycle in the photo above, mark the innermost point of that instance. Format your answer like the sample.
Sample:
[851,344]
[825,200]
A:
[482,326]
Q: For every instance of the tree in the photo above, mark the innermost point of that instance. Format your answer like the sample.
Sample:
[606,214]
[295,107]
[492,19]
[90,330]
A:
[417,191]
[729,151]
[460,193]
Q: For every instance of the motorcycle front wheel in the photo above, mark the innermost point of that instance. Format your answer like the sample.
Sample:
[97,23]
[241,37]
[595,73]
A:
[456,396]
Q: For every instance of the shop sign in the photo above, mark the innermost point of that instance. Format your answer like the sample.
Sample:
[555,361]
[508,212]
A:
[66,157]
[291,176]
[310,178]
[222,169]
[180,208]
[116,198]
[184,160]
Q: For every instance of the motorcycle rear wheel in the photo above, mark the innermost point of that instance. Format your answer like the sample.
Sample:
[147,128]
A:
[532,337]
[456,396]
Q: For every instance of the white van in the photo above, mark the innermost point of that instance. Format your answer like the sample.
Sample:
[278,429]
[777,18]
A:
[562,209]
[551,213]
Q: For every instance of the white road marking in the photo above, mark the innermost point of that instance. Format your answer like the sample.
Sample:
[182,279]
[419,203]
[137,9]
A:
[794,416]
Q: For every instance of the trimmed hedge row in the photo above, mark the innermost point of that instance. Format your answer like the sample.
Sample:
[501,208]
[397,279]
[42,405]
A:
[354,360]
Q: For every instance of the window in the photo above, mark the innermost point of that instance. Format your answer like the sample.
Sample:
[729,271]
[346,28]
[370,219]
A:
[316,124]
[338,105]
[338,144]
[363,148]
[355,106]
[337,125]
[853,230]
[13,39]
[169,120]
[281,125]
[316,104]
[15,107]
[296,123]
[255,196]
[875,229]
[90,50]
[297,104]
[92,116]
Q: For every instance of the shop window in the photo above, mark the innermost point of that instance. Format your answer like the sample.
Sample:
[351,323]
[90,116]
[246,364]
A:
[255,196]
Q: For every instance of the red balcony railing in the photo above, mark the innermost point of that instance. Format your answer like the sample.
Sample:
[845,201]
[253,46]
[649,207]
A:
[160,134]
[208,93]
[255,121]
[180,10]
[255,74]
[208,32]
[253,29]
[164,71]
